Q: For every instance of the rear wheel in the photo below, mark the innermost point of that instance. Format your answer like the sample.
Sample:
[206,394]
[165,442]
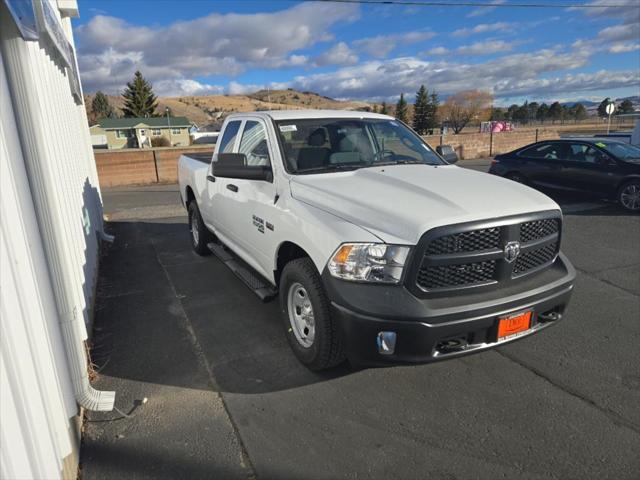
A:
[311,331]
[517,177]
[629,195]
[200,235]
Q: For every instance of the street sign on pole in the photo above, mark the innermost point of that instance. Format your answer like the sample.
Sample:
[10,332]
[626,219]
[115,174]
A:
[610,108]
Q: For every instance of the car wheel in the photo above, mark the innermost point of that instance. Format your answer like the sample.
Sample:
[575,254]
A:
[629,195]
[311,331]
[517,177]
[200,235]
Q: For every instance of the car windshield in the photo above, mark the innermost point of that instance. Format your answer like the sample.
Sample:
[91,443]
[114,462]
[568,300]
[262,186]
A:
[328,145]
[623,151]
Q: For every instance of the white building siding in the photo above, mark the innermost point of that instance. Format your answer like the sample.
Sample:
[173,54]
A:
[50,217]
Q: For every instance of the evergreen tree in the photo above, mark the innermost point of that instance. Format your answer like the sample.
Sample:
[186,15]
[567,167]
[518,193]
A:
[602,108]
[542,113]
[100,106]
[432,111]
[626,106]
[421,111]
[139,100]
[555,111]
[401,109]
[579,112]
[384,110]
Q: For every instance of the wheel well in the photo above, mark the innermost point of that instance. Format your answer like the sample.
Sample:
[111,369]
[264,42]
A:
[189,196]
[288,251]
[625,181]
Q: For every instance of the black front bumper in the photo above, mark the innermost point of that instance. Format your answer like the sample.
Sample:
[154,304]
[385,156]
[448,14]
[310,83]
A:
[431,329]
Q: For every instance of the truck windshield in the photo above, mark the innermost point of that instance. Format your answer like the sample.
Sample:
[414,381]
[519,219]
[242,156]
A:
[326,145]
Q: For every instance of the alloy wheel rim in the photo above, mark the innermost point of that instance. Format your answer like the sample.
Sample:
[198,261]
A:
[301,315]
[194,229]
[630,197]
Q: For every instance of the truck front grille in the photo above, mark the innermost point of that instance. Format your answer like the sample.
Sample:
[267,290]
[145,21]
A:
[534,259]
[472,241]
[463,256]
[456,275]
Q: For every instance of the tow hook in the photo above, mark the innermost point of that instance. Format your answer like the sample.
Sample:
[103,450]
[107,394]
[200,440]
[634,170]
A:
[452,345]
[549,317]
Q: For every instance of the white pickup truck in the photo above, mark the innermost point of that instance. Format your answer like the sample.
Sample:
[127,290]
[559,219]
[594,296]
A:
[379,250]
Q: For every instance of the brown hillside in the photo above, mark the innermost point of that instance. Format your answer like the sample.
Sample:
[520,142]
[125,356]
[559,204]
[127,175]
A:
[207,109]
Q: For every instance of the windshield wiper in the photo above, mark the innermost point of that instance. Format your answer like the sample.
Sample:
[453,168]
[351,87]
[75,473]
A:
[329,168]
[399,162]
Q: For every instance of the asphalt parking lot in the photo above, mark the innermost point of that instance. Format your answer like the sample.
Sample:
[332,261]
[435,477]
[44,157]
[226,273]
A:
[227,398]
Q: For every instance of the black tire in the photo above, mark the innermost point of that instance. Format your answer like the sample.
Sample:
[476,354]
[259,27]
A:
[628,196]
[326,349]
[517,177]
[198,232]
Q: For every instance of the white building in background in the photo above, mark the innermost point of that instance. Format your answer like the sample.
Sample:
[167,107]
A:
[51,229]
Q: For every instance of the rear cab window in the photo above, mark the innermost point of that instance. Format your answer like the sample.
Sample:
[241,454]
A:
[228,140]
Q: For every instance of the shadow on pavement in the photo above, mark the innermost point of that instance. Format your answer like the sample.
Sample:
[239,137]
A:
[587,203]
[156,297]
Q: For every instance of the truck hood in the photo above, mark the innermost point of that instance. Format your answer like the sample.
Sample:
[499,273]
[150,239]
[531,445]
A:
[399,203]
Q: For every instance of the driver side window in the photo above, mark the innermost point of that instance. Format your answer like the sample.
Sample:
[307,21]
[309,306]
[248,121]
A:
[254,144]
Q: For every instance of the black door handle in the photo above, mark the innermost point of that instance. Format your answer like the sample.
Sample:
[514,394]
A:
[211,178]
[232,187]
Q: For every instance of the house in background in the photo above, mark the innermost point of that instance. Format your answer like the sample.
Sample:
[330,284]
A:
[134,132]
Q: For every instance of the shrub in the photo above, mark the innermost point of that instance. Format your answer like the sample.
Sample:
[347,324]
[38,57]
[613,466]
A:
[160,142]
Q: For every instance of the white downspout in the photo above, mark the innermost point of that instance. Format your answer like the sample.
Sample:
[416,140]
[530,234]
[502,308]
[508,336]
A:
[20,59]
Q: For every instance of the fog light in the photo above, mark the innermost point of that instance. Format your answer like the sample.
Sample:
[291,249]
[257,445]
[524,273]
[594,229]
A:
[386,343]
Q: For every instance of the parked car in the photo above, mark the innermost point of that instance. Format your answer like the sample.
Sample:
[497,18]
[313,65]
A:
[605,167]
[377,248]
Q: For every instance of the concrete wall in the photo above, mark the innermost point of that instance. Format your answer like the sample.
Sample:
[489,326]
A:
[478,145]
[140,167]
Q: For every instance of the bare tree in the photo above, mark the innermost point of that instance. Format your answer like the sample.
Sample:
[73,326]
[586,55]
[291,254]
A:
[465,107]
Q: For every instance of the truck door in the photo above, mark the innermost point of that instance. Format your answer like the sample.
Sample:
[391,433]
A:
[212,210]
[250,204]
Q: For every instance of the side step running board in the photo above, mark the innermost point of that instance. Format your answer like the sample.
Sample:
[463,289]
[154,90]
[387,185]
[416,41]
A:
[259,286]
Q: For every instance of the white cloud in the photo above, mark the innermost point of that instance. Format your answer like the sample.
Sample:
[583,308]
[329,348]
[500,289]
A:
[339,54]
[437,51]
[485,48]
[382,45]
[620,33]
[501,27]
[484,10]
[110,49]
[510,75]
[624,47]
[185,87]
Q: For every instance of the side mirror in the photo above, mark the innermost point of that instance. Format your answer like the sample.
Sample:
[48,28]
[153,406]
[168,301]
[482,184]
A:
[234,165]
[448,153]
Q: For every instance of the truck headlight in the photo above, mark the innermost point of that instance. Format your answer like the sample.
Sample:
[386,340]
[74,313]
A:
[369,262]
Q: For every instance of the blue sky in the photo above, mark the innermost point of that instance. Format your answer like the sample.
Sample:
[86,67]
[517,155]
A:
[367,52]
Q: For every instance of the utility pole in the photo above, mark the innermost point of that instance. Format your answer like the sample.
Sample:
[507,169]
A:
[167,110]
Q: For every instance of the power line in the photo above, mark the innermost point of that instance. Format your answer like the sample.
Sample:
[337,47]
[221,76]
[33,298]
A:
[428,3]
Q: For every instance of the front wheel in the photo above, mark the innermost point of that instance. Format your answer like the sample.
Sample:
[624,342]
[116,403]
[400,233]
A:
[200,235]
[311,331]
[629,195]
